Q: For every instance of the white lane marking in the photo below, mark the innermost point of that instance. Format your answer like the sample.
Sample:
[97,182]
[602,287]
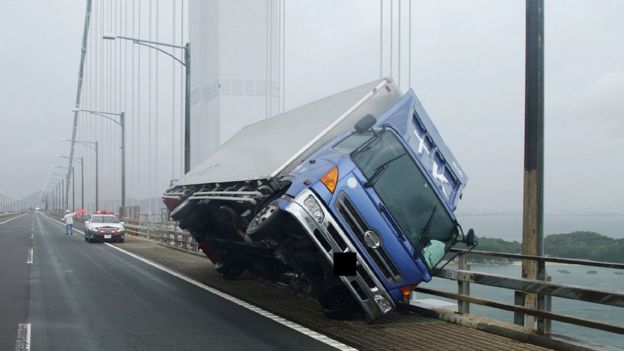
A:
[301,329]
[23,337]
[29,258]
[292,325]
[8,220]
[32,236]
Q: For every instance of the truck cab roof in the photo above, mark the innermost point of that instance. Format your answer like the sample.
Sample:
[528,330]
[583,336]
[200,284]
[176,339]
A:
[422,137]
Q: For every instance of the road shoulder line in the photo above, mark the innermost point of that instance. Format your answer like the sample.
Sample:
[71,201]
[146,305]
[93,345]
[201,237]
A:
[292,325]
[23,337]
[10,219]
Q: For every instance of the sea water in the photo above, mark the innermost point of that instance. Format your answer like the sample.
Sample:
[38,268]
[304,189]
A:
[509,227]
[588,277]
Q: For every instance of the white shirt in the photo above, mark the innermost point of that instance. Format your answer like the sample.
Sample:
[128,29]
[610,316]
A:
[69,218]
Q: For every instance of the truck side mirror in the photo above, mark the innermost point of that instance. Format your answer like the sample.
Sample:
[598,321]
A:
[470,238]
[365,123]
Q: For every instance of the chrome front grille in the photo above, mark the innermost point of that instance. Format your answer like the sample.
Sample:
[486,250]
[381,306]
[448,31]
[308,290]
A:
[330,237]
[358,226]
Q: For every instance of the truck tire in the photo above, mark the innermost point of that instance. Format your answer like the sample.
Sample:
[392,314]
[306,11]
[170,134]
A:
[264,220]
[183,210]
[338,303]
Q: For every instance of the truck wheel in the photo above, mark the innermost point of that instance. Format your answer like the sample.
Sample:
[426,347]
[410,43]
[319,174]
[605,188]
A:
[337,303]
[183,210]
[229,271]
[264,219]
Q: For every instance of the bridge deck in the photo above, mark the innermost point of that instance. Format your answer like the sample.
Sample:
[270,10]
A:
[399,331]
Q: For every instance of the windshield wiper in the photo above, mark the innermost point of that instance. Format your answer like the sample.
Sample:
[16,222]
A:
[376,175]
[366,145]
[424,234]
[379,171]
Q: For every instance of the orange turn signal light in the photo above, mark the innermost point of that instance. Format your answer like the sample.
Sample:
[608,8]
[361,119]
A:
[330,179]
[407,290]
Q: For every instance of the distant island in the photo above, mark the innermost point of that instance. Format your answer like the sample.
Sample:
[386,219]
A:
[582,245]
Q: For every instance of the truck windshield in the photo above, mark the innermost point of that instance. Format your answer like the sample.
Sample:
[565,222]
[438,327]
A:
[403,188]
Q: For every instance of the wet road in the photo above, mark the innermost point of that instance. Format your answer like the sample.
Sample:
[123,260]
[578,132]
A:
[15,244]
[80,296]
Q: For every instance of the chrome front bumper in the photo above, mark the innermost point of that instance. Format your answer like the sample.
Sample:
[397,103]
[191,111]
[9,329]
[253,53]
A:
[330,238]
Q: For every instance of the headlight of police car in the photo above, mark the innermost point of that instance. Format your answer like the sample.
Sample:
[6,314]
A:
[384,305]
[314,208]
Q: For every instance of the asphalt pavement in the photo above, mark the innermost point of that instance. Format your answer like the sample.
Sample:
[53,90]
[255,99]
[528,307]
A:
[80,296]
[15,245]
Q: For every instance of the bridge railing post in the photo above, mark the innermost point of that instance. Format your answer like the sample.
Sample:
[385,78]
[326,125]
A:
[519,298]
[543,301]
[463,287]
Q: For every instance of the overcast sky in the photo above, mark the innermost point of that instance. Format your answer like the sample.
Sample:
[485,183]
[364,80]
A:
[39,71]
[467,68]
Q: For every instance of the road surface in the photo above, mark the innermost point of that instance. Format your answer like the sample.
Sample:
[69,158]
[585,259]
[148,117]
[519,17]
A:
[66,294]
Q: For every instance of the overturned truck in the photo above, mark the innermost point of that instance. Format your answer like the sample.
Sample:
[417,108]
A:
[352,197]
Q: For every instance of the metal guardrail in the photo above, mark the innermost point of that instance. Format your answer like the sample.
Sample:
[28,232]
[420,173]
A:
[544,290]
[166,234]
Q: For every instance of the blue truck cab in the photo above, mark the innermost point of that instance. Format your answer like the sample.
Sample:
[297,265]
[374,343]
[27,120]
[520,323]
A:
[349,198]
[388,194]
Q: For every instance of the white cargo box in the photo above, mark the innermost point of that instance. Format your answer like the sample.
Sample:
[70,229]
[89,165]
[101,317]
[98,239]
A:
[273,147]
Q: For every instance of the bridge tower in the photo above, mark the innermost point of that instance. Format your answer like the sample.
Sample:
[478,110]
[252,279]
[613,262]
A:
[235,68]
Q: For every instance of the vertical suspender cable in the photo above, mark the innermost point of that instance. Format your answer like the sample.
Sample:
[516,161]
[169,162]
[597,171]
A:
[133,174]
[266,58]
[284,57]
[391,38]
[270,91]
[149,104]
[181,90]
[380,38]
[85,34]
[399,43]
[156,102]
[409,48]
[121,83]
[138,144]
[173,79]
[126,92]
[279,56]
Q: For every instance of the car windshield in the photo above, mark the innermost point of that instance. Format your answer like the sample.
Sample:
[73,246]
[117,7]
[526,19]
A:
[104,219]
[404,190]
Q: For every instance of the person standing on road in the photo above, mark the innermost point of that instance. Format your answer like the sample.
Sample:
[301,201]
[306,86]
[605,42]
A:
[69,222]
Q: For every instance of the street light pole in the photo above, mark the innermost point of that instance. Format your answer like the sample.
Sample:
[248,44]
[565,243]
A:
[97,156]
[73,190]
[63,197]
[97,176]
[187,108]
[122,124]
[82,182]
[81,160]
[186,62]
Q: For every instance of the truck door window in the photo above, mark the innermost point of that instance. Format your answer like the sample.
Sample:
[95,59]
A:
[351,142]
[404,190]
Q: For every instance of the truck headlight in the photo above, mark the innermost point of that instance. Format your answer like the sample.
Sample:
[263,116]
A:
[384,305]
[314,208]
